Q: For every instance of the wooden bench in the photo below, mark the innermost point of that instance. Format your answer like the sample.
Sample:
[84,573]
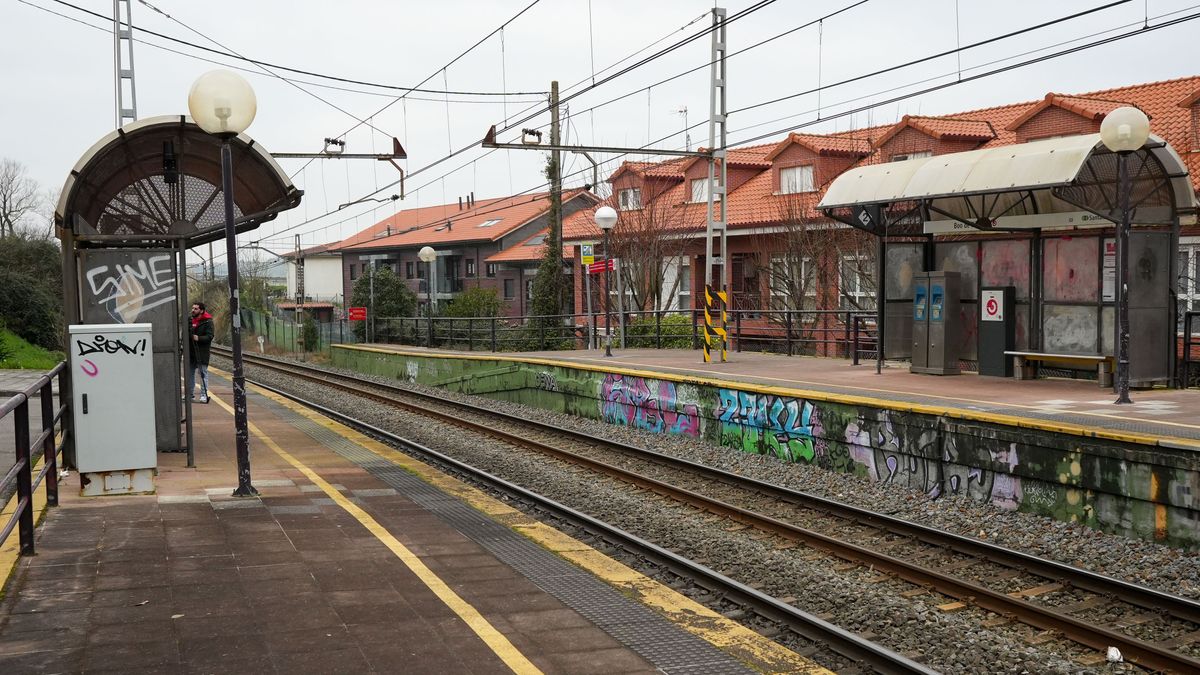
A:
[1023,364]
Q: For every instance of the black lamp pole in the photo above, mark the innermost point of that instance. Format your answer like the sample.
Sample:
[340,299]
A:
[240,423]
[1124,187]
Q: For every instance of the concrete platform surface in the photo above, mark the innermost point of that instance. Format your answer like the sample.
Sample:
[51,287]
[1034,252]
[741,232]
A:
[1167,414]
[350,560]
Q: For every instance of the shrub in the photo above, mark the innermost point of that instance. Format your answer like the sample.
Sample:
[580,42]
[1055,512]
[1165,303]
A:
[676,331]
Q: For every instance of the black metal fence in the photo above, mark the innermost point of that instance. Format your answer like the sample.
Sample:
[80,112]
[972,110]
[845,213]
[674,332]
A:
[21,474]
[849,334]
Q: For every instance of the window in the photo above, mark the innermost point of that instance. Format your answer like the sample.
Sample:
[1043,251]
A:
[510,289]
[1189,278]
[790,274]
[470,267]
[408,270]
[489,223]
[912,155]
[529,290]
[854,283]
[700,191]
[685,279]
[796,179]
[353,271]
[629,199]
[491,269]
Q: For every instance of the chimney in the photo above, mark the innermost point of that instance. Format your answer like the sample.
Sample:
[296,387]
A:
[472,199]
[449,225]
[460,203]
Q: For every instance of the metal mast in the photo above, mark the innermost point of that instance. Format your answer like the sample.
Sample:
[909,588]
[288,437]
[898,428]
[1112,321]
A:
[716,293]
[125,94]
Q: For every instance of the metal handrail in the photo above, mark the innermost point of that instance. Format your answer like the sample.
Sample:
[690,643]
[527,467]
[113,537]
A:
[1191,341]
[21,473]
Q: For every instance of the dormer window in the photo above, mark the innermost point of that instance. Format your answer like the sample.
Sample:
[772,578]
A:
[795,179]
[629,199]
[700,191]
[912,155]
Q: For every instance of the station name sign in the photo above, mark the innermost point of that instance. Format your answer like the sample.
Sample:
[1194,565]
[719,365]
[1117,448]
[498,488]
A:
[1029,222]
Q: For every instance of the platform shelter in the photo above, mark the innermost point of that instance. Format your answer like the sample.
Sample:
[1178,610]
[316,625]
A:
[1039,217]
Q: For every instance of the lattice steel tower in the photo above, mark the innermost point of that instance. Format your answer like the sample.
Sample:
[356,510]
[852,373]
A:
[125,94]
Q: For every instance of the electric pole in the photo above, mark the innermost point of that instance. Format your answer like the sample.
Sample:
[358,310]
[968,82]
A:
[555,238]
[125,94]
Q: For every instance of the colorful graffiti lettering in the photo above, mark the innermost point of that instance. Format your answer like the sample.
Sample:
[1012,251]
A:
[651,405]
[767,424]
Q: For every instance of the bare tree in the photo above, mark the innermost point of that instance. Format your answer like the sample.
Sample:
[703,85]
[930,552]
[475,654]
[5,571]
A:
[19,196]
[650,241]
[856,256]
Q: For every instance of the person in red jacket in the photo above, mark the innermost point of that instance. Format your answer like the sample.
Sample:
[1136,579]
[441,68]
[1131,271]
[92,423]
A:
[201,334]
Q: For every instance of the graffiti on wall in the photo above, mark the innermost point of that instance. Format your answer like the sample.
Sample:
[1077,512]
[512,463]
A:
[547,381]
[127,290]
[651,405]
[767,424]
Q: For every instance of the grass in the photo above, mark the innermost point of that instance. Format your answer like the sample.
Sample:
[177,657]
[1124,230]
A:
[16,353]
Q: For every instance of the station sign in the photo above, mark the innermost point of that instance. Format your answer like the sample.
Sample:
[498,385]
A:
[357,314]
[992,305]
[588,253]
[602,266]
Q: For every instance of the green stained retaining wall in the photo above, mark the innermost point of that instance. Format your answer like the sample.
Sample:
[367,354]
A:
[1137,490]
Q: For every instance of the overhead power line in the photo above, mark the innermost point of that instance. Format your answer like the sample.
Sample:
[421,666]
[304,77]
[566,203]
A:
[873,104]
[298,71]
[231,66]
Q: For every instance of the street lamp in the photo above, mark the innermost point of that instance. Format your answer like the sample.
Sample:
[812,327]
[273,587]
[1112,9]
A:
[606,218]
[222,103]
[1124,131]
[429,256]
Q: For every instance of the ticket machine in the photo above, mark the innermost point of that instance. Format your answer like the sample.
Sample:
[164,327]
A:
[936,329]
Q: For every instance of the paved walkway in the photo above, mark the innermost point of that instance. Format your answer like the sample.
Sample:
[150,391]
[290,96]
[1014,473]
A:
[16,381]
[1168,416]
[355,558]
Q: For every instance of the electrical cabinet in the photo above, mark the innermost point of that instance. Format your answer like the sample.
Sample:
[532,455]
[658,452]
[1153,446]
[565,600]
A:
[112,378]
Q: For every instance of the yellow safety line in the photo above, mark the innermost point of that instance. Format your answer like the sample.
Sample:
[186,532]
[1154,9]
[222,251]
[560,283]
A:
[723,633]
[10,549]
[494,639]
[852,399]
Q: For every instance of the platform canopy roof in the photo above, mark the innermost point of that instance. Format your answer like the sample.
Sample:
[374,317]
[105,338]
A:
[1057,182]
[159,180]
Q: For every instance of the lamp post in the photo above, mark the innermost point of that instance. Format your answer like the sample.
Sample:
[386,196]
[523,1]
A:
[606,218]
[1124,131]
[222,103]
[429,256]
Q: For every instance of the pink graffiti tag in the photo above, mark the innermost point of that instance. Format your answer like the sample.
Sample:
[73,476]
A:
[94,371]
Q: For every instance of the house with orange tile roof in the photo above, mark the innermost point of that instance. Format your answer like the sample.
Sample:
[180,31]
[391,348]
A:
[465,236]
[774,229]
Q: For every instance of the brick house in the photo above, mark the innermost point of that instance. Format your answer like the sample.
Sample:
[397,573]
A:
[465,236]
[784,254]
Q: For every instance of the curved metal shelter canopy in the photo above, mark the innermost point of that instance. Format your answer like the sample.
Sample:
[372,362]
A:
[158,180]
[1033,185]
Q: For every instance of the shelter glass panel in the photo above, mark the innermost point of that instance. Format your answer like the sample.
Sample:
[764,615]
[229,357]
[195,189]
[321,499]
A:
[1071,270]
[1070,329]
[904,261]
[961,257]
[1006,263]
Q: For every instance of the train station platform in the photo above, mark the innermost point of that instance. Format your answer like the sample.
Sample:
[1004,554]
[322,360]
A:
[1157,416]
[354,558]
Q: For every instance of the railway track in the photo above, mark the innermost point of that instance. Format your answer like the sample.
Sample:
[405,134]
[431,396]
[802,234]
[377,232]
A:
[1050,596]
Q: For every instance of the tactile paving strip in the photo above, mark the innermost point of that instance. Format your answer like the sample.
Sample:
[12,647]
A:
[668,647]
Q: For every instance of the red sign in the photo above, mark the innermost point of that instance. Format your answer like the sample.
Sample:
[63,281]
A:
[358,313]
[603,265]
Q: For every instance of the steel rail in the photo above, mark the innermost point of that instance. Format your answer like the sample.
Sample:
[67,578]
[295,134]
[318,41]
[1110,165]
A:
[1138,651]
[845,643]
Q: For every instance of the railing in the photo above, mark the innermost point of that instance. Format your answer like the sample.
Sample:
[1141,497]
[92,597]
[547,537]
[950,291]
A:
[849,334]
[21,473]
[1191,350]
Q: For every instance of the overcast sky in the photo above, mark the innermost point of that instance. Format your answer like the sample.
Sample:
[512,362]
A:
[58,78]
